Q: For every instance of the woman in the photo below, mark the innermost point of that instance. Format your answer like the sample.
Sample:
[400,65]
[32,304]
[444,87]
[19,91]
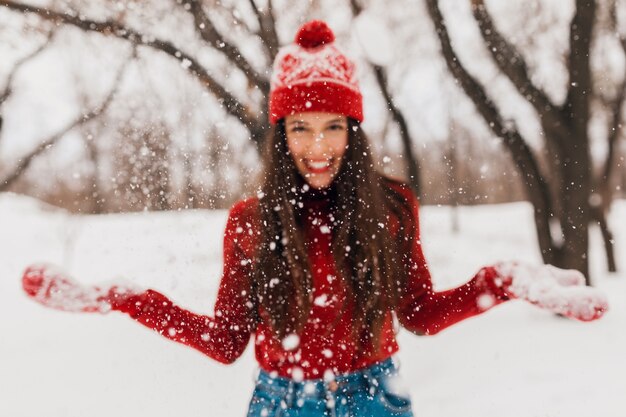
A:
[321,262]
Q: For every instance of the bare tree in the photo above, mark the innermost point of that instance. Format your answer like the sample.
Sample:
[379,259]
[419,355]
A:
[603,180]
[252,115]
[25,161]
[566,205]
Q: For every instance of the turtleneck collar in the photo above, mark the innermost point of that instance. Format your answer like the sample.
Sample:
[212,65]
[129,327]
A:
[315,195]
[324,194]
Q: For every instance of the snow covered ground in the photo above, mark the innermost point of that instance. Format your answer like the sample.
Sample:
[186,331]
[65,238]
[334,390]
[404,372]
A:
[515,360]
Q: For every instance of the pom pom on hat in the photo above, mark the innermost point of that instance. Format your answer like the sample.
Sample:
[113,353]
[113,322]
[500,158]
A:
[313,34]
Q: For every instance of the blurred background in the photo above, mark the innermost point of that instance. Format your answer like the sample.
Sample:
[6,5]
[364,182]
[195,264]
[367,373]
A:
[118,106]
[127,127]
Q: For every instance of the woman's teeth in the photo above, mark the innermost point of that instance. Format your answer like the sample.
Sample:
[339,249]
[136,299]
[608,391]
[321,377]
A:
[319,164]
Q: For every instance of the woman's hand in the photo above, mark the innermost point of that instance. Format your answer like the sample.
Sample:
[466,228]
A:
[54,289]
[562,291]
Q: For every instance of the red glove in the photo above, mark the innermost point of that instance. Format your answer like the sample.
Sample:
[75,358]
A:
[52,288]
[562,291]
[222,339]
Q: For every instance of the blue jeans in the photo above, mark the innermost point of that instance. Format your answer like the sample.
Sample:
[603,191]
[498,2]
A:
[369,392]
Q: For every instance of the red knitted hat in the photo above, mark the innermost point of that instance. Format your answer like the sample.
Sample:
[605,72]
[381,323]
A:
[313,75]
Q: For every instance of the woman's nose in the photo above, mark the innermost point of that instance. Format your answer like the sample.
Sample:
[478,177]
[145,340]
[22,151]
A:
[318,146]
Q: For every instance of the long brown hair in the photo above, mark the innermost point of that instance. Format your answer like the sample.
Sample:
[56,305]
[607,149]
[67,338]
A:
[372,270]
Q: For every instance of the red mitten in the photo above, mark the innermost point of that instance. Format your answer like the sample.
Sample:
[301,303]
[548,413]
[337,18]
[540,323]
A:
[54,289]
[562,291]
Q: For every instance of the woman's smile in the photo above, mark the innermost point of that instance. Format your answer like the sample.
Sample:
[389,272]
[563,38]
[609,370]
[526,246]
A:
[318,166]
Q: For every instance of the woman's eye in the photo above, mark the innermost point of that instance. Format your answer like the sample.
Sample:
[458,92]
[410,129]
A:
[337,127]
[297,129]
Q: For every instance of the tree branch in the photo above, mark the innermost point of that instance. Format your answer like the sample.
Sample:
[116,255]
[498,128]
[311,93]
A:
[232,106]
[210,34]
[508,59]
[267,23]
[617,125]
[6,93]
[26,160]
[536,186]
[403,127]
[7,88]
[616,128]
[580,84]
[397,116]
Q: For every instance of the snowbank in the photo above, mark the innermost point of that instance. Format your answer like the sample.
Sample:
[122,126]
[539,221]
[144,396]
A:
[516,360]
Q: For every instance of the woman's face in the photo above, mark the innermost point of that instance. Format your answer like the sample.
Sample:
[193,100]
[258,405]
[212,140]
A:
[317,142]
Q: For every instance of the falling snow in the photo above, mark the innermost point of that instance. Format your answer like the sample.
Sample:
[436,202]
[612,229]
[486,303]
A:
[291,342]
[181,245]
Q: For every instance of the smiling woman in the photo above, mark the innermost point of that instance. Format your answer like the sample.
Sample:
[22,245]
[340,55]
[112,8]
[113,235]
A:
[317,142]
[319,263]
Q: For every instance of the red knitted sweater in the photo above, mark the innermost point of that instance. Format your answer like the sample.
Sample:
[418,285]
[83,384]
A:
[325,342]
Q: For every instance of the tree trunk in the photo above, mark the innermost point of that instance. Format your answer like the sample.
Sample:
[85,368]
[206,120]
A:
[576,215]
[453,180]
[96,191]
[403,127]
[598,214]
